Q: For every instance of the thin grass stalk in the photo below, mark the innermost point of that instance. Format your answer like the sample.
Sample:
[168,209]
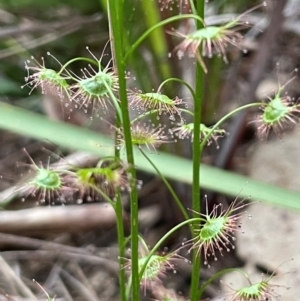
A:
[196,159]
[121,242]
[121,239]
[115,12]
[118,207]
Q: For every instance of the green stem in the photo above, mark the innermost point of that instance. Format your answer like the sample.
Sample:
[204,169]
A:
[196,158]
[115,11]
[193,8]
[214,277]
[136,44]
[122,246]
[179,204]
[143,244]
[128,287]
[149,113]
[77,59]
[159,243]
[187,112]
[119,206]
[115,102]
[105,196]
[256,104]
[174,79]
[121,240]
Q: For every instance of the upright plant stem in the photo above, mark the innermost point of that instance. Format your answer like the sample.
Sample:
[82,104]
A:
[116,22]
[121,242]
[196,158]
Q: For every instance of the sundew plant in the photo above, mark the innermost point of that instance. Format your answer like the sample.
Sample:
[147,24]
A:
[143,122]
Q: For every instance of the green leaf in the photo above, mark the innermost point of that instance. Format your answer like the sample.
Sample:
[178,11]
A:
[37,126]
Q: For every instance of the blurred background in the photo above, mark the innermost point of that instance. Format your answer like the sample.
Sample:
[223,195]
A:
[72,252]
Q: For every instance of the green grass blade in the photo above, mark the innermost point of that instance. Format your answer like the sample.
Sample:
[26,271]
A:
[37,126]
